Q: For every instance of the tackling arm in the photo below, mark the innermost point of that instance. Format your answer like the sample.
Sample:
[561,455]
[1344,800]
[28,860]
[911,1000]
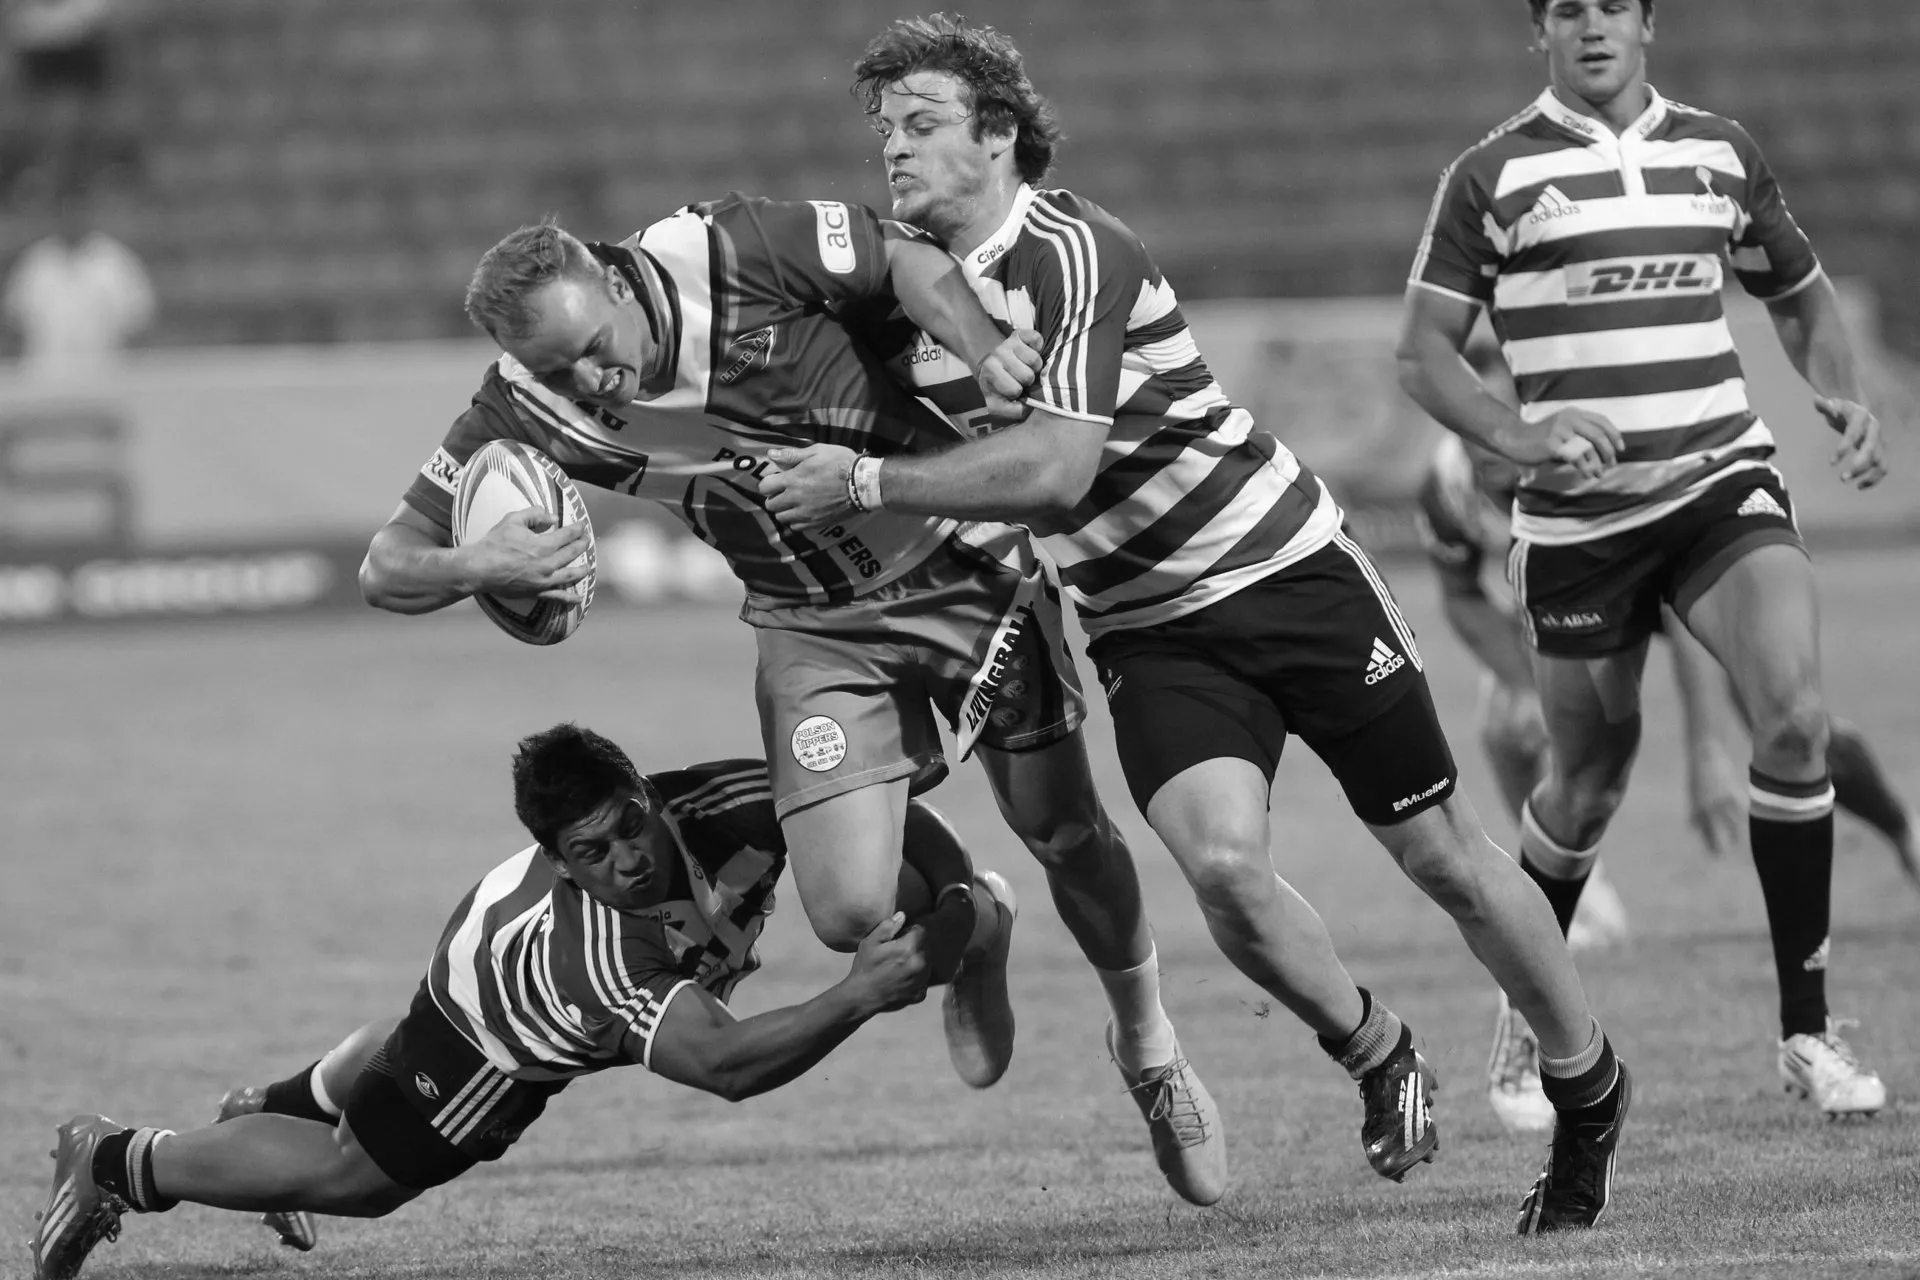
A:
[700,1043]
[1038,468]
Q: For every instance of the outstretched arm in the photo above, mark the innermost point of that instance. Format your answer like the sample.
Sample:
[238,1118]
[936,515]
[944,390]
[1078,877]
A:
[1814,337]
[700,1043]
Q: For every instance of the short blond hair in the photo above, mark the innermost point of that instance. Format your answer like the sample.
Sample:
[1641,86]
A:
[522,262]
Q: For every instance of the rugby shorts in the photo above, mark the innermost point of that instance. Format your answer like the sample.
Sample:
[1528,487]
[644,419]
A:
[849,693]
[1588,599]
[1318,649]
[428,1105]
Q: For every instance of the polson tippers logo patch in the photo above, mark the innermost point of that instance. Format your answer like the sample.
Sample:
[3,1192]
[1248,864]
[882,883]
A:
[749,351]
[819,744]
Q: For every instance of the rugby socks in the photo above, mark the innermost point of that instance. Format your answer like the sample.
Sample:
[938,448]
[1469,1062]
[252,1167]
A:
[1584,1089]
[1859,785]
[123,1164]
[1142,1032]
[1374,1041]
[1560,872]
[301,1095]
[1790,825]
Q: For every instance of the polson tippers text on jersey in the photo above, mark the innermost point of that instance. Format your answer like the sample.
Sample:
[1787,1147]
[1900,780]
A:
[762,362]
[548,983]
[1601,259]
[1191,501]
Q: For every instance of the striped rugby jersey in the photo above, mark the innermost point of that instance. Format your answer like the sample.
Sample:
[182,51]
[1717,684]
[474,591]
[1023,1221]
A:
[1191,501]
[761,362]
[1601,260]
[547,983]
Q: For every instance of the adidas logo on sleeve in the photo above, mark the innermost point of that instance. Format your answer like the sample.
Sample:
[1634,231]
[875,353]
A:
[1383,662]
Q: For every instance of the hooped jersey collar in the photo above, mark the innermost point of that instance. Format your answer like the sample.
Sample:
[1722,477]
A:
[989,251]
[1596,131]
[654,290]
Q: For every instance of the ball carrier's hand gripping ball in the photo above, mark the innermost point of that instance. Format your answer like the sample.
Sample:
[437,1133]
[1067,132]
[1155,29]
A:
[505,476]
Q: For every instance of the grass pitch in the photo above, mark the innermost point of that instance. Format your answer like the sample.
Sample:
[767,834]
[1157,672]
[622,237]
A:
[229,844]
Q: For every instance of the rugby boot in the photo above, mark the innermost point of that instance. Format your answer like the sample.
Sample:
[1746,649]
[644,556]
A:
[1188,1143]
[80,1213]
[1824,1069]
[1513,1075]
[1577,1181]
[1398,1130]
[976,1011]
[294,1227]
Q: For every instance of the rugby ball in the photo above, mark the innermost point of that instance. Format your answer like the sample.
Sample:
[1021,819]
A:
[505,476]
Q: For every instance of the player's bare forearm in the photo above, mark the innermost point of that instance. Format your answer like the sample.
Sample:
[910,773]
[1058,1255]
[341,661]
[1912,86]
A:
[1036,469]
[1437,377]
[738,1060]
[408,570]
[935,295]
[1492,636]
[1813,334]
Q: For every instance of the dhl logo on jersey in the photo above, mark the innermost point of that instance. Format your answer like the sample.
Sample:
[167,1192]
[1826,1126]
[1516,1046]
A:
[1620,279]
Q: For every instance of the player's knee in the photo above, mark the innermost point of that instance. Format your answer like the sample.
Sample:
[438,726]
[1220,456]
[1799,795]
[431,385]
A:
[842,925]
[1067,843]
[1228,871]
[1577,809]
[1794,734]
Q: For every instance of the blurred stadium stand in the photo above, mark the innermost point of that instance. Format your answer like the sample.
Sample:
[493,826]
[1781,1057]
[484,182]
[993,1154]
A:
[328,170]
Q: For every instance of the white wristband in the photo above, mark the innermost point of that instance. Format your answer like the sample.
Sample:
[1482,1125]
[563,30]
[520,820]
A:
[866,484]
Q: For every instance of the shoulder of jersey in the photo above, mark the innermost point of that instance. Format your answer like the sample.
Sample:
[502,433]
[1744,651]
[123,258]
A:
[504,476]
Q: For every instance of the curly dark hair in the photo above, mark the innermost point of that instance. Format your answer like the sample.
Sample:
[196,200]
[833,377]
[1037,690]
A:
[980,58]
[1539,8]
[562,774]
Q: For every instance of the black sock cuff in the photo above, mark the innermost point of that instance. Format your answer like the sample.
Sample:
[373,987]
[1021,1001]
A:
[294,1097]
[123,1165]
[1589,1088]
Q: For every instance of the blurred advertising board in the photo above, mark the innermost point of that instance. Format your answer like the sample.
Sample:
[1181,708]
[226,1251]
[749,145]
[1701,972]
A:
[249,480]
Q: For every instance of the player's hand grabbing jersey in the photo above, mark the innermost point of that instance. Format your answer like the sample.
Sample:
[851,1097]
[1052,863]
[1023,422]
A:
[548,983]
[1602,259]
[760,360]
[1192,501]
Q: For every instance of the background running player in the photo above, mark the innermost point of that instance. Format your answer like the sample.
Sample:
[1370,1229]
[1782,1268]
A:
[1466,502]
[667,367]
[1225,607]
[615,940]
[1595,226]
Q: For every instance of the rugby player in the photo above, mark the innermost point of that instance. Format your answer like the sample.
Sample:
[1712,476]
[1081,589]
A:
[614,940]
[1594,226]
[1225,606]
[666,367]
[1466,501]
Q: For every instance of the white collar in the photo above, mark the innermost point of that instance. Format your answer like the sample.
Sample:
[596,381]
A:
[1595,130]
[988,251]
